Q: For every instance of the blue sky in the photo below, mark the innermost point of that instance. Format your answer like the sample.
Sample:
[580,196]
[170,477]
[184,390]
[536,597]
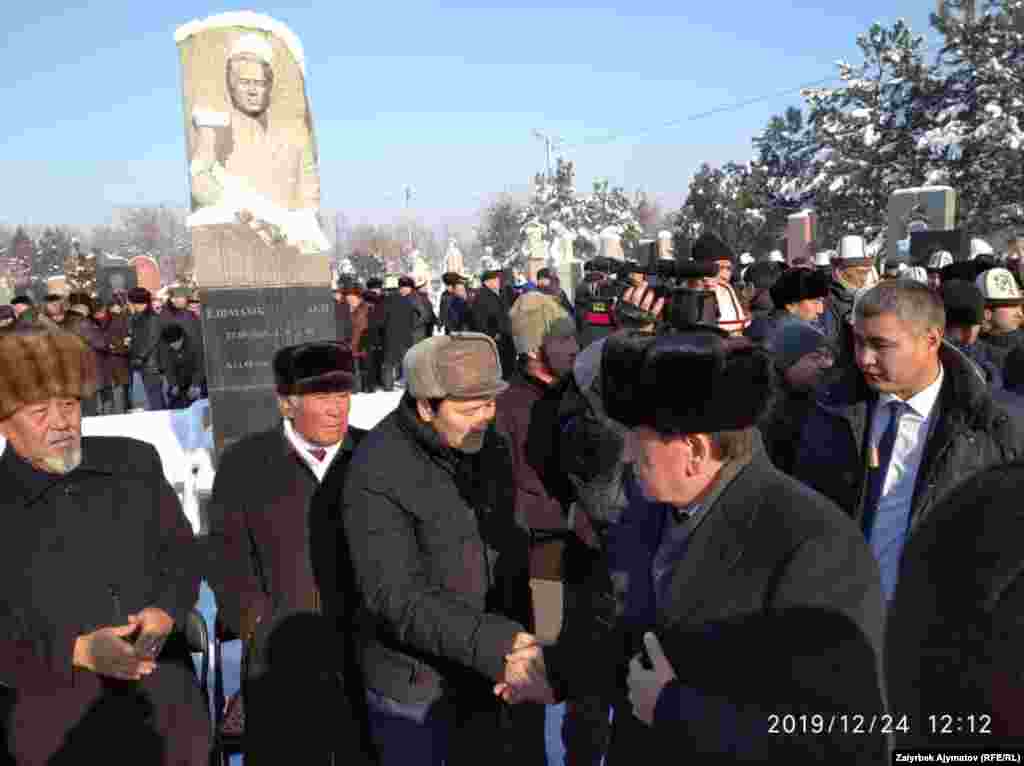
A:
[439,95]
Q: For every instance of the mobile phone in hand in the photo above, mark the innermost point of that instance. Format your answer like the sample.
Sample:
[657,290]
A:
[149,645]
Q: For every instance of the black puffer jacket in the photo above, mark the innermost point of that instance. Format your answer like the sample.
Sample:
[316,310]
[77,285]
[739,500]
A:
[972,433]
[440,563]
[835,322]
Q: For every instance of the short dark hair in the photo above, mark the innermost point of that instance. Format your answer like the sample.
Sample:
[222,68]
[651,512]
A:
[912,302]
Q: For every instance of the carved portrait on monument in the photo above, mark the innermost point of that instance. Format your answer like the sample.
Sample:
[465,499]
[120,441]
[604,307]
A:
[252,154]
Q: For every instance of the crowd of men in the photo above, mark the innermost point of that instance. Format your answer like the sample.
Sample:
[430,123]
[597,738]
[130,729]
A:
[780,529]
[148,352]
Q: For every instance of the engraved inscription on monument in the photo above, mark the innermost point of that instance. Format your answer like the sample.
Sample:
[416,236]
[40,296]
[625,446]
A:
[243,329]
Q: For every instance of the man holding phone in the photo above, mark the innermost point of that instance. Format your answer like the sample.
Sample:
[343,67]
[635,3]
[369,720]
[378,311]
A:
[97,566]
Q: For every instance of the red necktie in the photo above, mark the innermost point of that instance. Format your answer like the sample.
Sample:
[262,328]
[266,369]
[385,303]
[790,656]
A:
[319,453]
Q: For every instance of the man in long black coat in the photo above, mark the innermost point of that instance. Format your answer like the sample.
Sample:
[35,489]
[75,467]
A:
[269,564]
[395,325]
[489,315]
[98,572]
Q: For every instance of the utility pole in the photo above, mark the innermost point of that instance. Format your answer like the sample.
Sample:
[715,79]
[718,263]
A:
[550,142]
[407,193]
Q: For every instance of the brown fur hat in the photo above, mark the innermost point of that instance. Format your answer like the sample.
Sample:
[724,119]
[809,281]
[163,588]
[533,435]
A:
[38,364]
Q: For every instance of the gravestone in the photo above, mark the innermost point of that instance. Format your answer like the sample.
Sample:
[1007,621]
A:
[243,327]
[935,205]
[799,236]
[261,259]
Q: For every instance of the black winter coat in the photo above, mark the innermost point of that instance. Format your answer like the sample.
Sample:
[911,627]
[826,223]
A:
[81,552]
[145,335]
[489,315]
[440,563]
[972,433]
[954,628]
[396,322]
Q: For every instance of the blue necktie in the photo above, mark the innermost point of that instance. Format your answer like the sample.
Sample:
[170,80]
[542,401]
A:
[876,480]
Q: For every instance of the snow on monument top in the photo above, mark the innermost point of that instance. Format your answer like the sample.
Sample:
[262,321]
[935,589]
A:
[245,20]
[921,190]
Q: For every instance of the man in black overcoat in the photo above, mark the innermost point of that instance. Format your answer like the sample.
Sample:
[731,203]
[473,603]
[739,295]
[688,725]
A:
[264,536]
[762,593]
[489,315]
[98,573]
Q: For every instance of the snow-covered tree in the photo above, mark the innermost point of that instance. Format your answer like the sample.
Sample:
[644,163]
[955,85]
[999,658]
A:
[52,251]
[720,201]
[866,131]
[975,142]
[559,211]
[500,227]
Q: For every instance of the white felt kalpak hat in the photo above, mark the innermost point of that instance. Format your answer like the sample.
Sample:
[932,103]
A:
[999,288]
[980,247]
[746,259]
[823,258]
[852,253]
[940,260]
[776,256]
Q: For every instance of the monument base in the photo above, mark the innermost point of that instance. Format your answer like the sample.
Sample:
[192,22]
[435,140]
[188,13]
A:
[233,255]
[243,327]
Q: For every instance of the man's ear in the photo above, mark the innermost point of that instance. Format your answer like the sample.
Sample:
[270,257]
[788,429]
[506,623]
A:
[425,412]
[286,407]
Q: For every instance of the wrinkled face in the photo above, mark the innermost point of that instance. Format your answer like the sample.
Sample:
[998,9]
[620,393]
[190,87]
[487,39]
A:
[320,419]
[807,372]
[180,303]
[47,434]
[1000,320]
[662,465]
[250,88]
[461,423]
[895,357]
[809,309]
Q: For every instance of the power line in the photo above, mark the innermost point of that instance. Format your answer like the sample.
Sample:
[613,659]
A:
[724,108]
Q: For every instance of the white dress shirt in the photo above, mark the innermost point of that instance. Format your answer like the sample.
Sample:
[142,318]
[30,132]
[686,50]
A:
[304,448]
[889,531]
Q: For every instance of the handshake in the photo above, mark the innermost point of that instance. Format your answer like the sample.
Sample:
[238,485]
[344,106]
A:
[525,676]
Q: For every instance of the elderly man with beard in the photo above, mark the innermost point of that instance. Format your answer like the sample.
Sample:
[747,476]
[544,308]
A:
[441,564]
[99,568]
[277,551]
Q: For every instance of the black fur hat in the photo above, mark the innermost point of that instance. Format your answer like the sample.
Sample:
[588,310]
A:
[685,383]
[798,285]
[312,368]
[708,247]
[964,303]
